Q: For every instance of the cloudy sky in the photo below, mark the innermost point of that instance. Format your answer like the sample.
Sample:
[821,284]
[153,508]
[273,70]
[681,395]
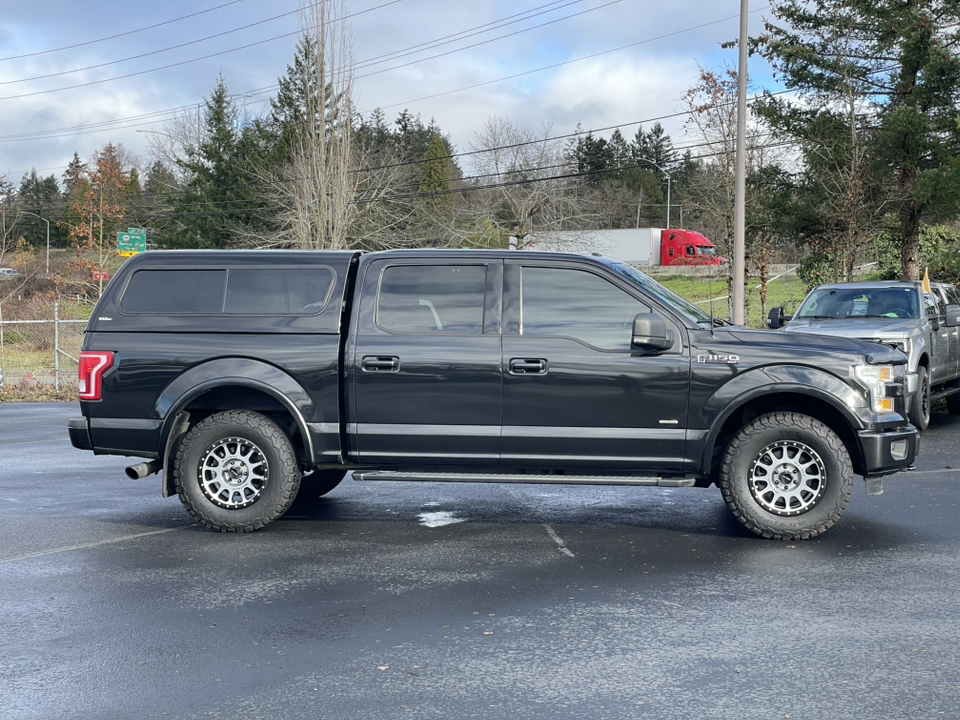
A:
[75,76]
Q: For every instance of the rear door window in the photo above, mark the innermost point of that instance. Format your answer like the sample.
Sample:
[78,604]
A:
[428,299]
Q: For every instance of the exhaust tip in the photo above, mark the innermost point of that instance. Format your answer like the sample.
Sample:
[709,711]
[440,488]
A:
[141,470]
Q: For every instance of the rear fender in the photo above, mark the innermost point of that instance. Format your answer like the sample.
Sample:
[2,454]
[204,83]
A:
[228,372]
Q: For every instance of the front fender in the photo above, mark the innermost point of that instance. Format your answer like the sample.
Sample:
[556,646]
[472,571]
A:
[769,382]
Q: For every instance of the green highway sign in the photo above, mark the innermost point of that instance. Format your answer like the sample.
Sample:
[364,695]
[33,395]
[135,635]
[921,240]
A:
[131,242]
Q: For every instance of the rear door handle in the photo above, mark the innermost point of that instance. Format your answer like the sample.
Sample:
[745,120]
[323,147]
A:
[528,366]
[380,363]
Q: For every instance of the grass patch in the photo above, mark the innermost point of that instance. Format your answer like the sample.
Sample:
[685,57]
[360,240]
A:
[787,291]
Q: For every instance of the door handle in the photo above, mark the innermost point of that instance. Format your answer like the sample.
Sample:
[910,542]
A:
[380,363]
[528,366]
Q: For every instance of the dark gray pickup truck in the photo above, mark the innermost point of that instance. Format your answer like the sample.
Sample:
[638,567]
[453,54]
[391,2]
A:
[244,375]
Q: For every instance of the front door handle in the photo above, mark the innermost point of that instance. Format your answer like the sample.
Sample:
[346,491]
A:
[528,366]
[380,363]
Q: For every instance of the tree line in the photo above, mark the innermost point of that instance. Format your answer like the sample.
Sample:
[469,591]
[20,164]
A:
[858,161]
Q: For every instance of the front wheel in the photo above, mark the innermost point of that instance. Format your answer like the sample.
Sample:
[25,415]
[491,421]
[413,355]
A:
[920,402]
[786,476]
[236,471]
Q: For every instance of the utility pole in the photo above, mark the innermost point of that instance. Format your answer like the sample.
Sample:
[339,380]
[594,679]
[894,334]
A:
[739,214]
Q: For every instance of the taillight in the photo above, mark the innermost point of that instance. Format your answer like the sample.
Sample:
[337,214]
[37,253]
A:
[90,372]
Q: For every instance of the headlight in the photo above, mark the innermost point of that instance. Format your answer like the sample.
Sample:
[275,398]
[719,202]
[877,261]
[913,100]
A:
[882,382]
[903,346]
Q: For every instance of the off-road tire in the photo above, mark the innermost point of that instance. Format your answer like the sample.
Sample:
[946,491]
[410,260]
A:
[254,441]
[920,402]
[783,442]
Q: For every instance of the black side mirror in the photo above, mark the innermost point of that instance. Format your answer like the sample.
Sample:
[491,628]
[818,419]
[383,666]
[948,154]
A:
[952,318]
[650,333]
[776,319]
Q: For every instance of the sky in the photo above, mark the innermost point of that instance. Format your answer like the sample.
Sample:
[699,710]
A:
[76,76]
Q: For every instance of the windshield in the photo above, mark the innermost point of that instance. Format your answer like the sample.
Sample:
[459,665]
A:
[704,250]
[668,298]
[889,302]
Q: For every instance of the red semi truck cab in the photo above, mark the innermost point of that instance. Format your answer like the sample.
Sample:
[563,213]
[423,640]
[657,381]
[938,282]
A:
[685,247]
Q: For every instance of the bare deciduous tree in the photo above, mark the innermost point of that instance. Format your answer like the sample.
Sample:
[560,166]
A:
[712,103]
[318,191]
[522,184]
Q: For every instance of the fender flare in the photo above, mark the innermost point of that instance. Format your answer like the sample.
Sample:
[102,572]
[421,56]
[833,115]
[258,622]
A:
[770,381]
[226,372]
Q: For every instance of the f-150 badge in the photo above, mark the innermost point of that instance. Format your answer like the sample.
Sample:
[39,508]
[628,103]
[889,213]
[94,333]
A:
[722,358]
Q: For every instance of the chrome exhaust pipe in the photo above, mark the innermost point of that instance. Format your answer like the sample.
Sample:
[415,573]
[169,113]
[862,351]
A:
[141,470]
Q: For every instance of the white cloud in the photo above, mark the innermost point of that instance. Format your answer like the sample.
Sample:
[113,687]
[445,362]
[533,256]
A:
[638,83]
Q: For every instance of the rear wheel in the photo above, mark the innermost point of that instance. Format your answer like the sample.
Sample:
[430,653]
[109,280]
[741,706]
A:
[920,402]
[786,476]
[236,471]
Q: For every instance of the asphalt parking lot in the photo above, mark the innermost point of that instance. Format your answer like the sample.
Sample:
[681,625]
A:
[396,600]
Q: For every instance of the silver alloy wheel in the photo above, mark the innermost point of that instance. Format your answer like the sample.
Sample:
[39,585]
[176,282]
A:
[233,472]
[787,478]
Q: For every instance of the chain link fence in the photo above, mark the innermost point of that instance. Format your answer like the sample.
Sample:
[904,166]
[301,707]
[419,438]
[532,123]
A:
[41,354]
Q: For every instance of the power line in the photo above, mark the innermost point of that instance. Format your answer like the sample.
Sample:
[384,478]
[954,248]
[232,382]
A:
[119,35]
[566,62]
[485,42]
[641,164]
[183,62]
[98,127]
[476,30]
[157,52]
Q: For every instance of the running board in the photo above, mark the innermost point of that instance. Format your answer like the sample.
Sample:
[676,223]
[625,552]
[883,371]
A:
[522,478]
[946,392]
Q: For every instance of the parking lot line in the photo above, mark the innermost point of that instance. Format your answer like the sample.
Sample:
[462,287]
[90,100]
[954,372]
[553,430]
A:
[84,546]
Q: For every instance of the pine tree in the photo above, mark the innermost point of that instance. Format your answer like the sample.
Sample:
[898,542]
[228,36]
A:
[40,196]
[896,59]
[220,197]
[436,180]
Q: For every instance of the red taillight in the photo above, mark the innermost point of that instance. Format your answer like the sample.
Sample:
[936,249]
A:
[90,372]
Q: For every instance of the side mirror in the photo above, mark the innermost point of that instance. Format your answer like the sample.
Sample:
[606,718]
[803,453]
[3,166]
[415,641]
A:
[650,333]
[953,316]
[776,319]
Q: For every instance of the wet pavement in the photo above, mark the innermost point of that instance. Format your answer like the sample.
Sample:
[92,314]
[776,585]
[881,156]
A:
[398,600]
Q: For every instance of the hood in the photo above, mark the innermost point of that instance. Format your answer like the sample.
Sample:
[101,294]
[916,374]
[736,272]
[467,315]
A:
[795,344]
[893,328]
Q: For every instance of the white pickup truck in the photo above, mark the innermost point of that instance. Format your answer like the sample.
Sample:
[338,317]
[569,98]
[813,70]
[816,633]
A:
[924,325]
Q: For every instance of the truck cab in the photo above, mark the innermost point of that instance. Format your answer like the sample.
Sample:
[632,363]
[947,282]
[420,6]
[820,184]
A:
[685,247]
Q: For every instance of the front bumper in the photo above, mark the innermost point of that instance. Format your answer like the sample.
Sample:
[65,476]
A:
[79,433]
[888,451]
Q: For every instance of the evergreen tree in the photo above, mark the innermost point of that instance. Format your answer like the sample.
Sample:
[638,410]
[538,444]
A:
[895,59]
[40,196]
[220,198]
[436,180]
[74,175]
[160,190]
